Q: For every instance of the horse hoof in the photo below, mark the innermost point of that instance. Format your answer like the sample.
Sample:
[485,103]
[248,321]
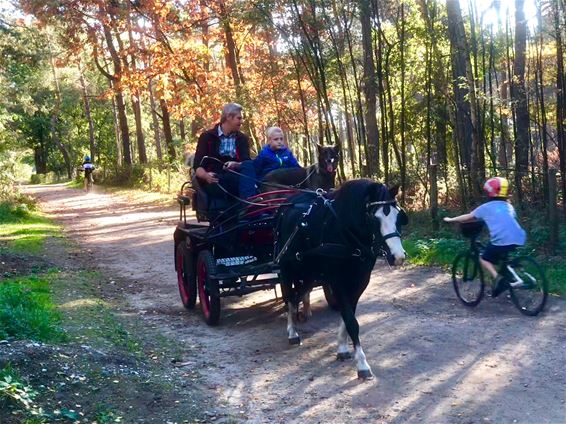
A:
[295,341]
[365,375]
[343,356]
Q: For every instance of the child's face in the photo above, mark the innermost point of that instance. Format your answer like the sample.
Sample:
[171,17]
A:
[276,141]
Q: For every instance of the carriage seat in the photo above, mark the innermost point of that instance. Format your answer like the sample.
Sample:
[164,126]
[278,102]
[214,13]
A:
[207,207]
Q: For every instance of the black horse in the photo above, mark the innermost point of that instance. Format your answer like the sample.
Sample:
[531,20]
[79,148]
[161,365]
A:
[336,240]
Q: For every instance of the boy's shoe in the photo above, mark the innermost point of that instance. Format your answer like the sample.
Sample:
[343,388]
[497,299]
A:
[499,286]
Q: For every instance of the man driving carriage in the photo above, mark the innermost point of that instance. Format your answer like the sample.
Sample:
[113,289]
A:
[222,149]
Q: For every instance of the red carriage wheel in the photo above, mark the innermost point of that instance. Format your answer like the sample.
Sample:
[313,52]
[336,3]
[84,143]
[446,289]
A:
[208,290]
[186,275]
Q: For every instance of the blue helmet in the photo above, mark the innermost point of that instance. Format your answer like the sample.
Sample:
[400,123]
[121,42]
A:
[87,158]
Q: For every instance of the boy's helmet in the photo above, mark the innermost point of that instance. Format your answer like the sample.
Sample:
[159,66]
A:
[497,187]
[87,158]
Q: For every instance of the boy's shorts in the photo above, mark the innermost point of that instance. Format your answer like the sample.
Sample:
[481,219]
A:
[494,254]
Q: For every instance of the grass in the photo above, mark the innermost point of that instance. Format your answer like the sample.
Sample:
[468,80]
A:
[426,247]
[23,230]
[27,311]
[26,307]
[76,183]
[83,336]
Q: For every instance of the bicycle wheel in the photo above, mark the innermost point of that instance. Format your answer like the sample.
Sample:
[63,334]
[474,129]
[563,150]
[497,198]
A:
[467,279]
[530,294]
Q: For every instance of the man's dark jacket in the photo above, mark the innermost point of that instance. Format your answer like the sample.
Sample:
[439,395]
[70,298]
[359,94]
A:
[209,145]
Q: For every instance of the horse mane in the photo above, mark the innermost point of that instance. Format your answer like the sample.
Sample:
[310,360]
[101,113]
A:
[351,198]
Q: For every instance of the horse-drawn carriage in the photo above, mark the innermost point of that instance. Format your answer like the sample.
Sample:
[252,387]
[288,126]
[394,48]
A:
[293,237]
[232,255]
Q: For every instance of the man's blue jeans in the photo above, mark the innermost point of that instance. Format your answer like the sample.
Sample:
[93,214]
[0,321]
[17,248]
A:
[247,183]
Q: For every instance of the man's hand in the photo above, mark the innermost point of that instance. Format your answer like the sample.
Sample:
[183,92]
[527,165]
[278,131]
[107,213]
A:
[448,219]
[232,165]
[210,178]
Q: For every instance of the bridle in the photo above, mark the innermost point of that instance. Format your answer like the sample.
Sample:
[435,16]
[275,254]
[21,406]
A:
[372,208]
[356,246]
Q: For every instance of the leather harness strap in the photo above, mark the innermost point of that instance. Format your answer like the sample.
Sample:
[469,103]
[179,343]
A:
[335,249]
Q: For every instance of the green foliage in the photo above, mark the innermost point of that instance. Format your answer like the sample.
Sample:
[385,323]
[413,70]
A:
[13,390]
[440,251]
[106,416]
[23,230]
[27,312]
[163,178]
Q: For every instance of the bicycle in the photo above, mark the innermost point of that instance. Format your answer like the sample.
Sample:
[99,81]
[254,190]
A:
[527,283]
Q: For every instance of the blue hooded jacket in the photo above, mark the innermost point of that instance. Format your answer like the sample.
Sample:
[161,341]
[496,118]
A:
[269,160]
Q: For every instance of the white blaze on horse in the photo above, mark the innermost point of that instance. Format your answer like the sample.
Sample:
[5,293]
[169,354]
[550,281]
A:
[335,240]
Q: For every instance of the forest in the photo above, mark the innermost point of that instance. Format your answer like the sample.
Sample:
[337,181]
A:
[435,96]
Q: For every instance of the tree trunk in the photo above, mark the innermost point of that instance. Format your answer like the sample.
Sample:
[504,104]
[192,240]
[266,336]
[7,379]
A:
[119,154]
[182,131]
[54,121]
[155,122]
[119,96]
[460,62]
[140,138]
[165,117]
[543,126]
[403,120]
[560,98]
[86,101]
[520,99]
[135,97]
[370,89]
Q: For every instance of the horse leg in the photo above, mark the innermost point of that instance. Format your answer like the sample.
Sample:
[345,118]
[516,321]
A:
[348,311]
[306,313]
[343,350]
[293,309]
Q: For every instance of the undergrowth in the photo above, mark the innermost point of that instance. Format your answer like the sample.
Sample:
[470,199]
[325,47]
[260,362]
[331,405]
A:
[27,312]
[14,391]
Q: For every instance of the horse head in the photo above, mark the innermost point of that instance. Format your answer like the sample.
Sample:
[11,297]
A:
[390,218]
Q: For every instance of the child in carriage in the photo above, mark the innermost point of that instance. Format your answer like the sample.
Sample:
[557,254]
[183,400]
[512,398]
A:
[274,155]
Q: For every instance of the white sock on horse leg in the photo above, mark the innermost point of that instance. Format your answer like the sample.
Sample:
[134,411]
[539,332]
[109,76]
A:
[291,332]
[342,339]
[361,359]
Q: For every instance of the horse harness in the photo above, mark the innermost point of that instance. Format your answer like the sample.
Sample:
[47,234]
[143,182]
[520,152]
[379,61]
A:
[355,249]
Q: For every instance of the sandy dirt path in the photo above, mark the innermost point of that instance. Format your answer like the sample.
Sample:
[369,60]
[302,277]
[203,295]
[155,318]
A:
[435,361]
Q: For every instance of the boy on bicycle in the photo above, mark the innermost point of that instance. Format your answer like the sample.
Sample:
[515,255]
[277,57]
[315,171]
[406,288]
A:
[504,230]
[88,168]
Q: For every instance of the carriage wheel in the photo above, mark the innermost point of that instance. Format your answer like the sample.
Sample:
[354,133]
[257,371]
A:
[330,298]
[186,275]
[208,288]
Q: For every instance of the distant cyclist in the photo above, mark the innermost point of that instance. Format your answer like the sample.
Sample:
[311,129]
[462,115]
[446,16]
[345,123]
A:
[88,169]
